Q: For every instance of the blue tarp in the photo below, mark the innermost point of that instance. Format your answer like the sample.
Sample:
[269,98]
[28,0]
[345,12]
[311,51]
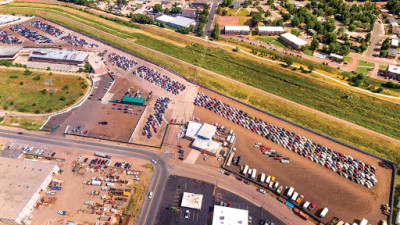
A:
[291,205]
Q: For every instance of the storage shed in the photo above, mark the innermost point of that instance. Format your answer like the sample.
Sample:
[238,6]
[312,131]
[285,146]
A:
[132,100]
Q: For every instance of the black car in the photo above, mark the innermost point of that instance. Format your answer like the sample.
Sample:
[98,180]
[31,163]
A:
[53,154]
[85,160]
[20,133]
[180,158]
[226,173]
[246,182]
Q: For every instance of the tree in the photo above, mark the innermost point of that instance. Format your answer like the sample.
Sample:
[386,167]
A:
[295,32]
[219,10]
[88,67]
[255,19]
[344,50]
[385,46]
[314,44]
[311,68]
[267,13]
[363,47]
[286,17]
[224,12]
[288,62]
[331,37]
[157,8]
[383,53]
[257,3]
[279,22]
[215,33]
[166,10]
[352,27]
[368,37]
[295,22]
[270,2]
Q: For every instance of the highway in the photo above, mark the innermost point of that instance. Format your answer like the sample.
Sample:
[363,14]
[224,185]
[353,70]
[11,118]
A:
[157,184]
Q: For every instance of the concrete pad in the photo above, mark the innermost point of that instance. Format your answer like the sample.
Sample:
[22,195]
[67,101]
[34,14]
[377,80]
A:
[192,157]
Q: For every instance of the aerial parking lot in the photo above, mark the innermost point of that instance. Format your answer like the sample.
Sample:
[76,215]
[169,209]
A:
[345,199]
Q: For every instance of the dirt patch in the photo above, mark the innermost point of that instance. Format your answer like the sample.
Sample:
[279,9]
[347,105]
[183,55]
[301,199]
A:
[228,21]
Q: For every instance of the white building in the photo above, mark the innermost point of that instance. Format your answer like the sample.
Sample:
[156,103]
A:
[191,200]
[292,40]
[21,182]
[230,216]
[202,135]
[395,43]
[237,30]
[177,22]
[270,30]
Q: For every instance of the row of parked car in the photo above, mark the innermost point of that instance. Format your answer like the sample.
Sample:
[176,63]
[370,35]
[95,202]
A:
[160,107]
[344,165]
[105,162]
[47,28]
[76,41]
[121,61]
[7,38]
[160,80]
[30,35]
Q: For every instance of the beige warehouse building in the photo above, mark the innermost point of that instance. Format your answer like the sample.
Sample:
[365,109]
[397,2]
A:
[21,183]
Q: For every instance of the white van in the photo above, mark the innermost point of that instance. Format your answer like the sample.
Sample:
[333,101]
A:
[306,204]
[290,192]
[323,213]
[294,196]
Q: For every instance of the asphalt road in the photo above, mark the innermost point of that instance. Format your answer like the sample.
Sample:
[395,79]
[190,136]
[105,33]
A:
[377,34]
[157,183]
[213,11]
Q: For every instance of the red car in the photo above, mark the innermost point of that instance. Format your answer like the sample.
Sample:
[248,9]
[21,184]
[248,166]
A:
[229,204]
[312,206]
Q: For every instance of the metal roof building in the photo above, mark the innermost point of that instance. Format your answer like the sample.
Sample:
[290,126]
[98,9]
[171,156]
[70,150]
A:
[237,30]
[292,40]
[58,56]
[9,53]
[270,30]
[178,21]
[211,147]
[191,200]
[21,182]
[132,100]
[230,216]
[207,131]
[192,129]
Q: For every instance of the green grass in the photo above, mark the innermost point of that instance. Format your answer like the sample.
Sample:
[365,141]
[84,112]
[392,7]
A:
[348,59]
[308,52]
[365,63]
[363,70]
[279,43]
[243,20]
[383,67]
[238,12]
[29,96]
[361,109]
[266,39]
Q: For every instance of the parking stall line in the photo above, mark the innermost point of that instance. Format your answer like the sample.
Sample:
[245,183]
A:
[197,216]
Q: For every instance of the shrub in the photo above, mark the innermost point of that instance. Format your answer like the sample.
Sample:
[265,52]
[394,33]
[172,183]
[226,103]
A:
[37,111]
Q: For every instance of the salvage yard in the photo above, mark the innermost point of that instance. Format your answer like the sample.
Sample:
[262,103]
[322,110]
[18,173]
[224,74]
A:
[350,200]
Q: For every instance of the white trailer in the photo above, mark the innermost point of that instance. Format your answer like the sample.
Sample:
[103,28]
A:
[262,179]
[294,196]
[232,140]
[290,192]
[325,211]
[228,163]
[246,168]
[253,174]
[268,179]
[228,139]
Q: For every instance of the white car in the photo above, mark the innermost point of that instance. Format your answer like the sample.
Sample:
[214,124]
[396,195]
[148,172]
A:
[187,214]
[221,171]
[150,194]
[79,158]
[153,161]
[219,158]
[306,204]
[261,191]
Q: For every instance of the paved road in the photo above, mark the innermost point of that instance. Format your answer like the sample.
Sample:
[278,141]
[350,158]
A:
[208,28]
[157,183]
[377,34]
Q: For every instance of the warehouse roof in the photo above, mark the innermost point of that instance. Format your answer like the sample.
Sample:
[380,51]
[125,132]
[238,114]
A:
[191,200]
[133,100]
[9,51]
[237,28]
[394,69]
[293,39]
[207,145]
[55,54]
[270,29]
[207,131]
[178,21]
[229,216]
[192,129]
[333,55]
[20,180]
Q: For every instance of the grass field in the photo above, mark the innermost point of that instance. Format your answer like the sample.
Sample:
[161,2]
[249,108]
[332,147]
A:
[243,20]
[360,109]
[238,12]
[364,66]
[383,67]
[309,52]
[279,43]
[30,93]
[348,59]
[266,39]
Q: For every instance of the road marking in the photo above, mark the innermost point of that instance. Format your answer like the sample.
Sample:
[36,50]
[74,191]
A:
[197,216]
[155,189]
[67,142]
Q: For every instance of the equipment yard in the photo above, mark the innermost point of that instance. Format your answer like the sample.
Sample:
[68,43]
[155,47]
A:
[344,198]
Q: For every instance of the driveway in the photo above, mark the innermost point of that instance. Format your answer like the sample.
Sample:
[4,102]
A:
[377,34]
